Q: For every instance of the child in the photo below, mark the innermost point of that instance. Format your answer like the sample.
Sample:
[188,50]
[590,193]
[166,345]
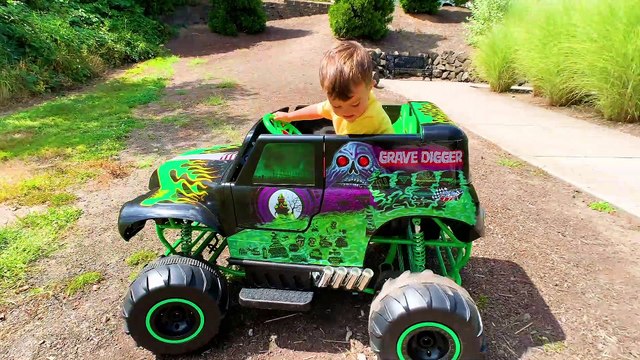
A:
[346,77]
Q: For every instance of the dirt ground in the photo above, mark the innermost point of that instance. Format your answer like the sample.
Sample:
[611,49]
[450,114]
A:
[553,279]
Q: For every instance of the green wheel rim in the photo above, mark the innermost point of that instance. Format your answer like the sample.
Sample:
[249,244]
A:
[277,127]
[444,328]
[168,301]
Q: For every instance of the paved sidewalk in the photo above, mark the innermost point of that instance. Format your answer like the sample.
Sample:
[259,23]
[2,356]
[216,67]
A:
[596,159]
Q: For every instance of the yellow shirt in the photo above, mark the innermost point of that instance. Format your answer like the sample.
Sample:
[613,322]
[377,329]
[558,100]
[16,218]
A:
[374,120]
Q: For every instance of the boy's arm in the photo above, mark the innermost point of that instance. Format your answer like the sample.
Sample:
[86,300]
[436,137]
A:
[306,113]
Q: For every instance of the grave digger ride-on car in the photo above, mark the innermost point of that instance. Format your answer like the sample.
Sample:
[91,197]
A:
[299,209]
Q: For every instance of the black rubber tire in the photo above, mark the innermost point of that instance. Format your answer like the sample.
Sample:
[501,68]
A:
[415,298]
[189,282]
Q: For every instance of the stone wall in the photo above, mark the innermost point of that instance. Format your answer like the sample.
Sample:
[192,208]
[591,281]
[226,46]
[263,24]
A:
[447,65]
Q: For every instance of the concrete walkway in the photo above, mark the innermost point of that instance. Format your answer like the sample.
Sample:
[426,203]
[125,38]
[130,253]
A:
[596,159]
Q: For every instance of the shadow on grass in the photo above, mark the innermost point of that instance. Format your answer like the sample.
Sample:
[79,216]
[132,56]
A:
[189,114]
[86,126]
[515,317]
[402,40]
[198,40]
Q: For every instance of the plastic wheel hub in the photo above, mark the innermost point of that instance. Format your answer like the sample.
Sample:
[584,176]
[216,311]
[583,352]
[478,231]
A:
[428,341]
[175,321]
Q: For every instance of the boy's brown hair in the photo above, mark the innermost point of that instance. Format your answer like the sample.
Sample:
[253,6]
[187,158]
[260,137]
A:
[346,65]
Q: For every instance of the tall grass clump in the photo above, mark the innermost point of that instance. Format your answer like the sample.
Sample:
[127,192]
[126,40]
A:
[570,51]
[606,56]
[545,34]
[494,59]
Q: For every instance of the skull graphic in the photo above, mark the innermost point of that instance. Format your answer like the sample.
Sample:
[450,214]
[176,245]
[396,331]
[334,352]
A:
[352,165]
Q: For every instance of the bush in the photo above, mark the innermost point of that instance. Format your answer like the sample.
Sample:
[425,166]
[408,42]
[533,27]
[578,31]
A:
[570,50]
[494,59]
[351,19]
[484,15]
[228,17]
[420,6]
[52,45]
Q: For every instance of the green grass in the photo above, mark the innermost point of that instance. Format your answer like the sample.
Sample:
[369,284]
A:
[145,163]
[31,238]
[510,163]
[602,206]
[180,120]
[571,51]
[215,101]
[197,61]
[141,257]
[82,281]
[75,129]
[227,84]
[482,301]
[47,187]
[138,260]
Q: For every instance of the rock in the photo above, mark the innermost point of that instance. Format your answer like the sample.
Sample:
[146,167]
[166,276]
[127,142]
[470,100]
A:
[429,61]
[459,77]
[250,333]
[462,57]
[451,76]
[433,55]
[95,287]
[396,53]
[405,53]
[436,61]
[442,67]
[466,65]
[374,56]
[457,64]
[437,73]
[2,317]
[105,319]
[445,75]
[465,76]
[362,356]
[383,62]
[449,67]
[452,59]
[378,51]
[383,56]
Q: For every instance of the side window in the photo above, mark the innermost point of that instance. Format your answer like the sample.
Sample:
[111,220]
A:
[286,164]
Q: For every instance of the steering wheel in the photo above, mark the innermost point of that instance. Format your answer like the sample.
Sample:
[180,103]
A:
[278,127]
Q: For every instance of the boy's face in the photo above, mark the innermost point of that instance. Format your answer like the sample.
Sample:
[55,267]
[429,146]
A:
[352,108]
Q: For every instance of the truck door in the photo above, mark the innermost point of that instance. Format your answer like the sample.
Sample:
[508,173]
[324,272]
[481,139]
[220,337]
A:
[280,187]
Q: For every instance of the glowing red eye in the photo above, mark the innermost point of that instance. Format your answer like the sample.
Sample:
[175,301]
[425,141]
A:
[342,161]
[363,161]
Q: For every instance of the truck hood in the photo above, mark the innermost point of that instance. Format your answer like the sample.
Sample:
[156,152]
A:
[190,177]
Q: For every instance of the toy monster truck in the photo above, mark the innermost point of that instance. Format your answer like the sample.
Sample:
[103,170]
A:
[307,210]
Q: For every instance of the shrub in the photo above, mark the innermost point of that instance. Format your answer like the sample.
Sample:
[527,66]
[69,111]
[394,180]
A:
[228,17]
[51,45]
[420,6]
[484,15]
[350,19]
[494,59]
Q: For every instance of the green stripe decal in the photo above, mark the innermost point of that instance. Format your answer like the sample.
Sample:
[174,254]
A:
[446,329]
[175,300]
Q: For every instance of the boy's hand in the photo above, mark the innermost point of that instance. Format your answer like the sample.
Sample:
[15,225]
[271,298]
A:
[281,116]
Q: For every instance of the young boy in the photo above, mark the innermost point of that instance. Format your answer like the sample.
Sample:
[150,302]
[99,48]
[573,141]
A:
[346,77]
